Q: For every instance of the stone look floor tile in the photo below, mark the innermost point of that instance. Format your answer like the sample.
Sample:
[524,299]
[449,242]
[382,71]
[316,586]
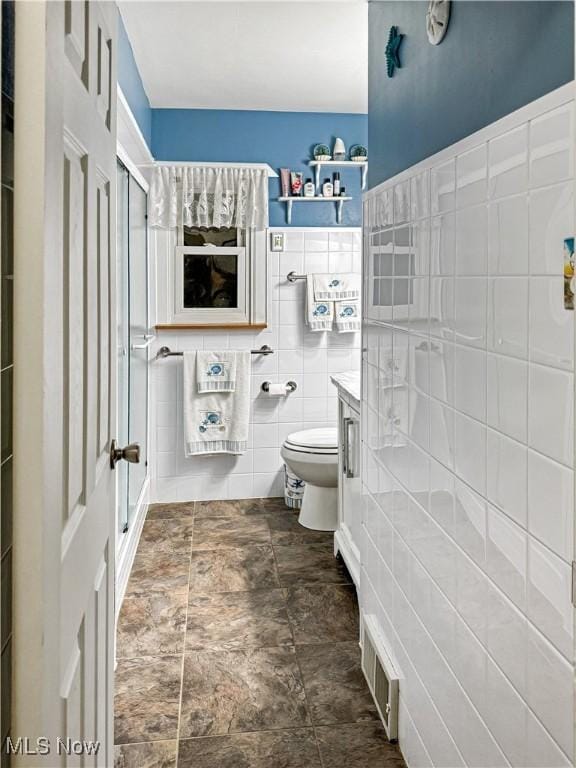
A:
[323,613]
[285,529]
[336,689]
[147,698]
[151,754]
[238,508]
[234,691]
[170,511]
[312,562]
[161,573]
[230,533]
[267,749]
[151,626]
[171,536]
[232,620]
[233,570]
[363,745]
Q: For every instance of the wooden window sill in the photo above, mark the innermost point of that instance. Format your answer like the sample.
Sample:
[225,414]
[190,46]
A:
[212,327]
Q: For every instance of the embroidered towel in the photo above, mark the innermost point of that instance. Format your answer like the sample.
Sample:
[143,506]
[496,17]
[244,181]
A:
[336,287]
[347,316]
[216,371]
[216,422]
[319,314]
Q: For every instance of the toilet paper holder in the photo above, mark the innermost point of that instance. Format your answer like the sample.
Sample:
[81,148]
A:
[291,386]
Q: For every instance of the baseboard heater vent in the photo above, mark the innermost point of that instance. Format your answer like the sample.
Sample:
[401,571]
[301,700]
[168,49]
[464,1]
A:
[381,677]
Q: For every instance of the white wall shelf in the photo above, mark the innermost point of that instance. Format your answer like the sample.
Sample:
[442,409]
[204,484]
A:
[339,201]
[317,164]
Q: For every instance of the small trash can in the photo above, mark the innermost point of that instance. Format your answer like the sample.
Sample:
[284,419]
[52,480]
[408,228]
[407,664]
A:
[293,489]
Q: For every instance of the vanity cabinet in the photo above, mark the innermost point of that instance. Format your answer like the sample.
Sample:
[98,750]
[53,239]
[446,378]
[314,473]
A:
[347,535]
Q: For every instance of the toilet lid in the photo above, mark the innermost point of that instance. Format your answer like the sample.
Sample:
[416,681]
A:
[325,439]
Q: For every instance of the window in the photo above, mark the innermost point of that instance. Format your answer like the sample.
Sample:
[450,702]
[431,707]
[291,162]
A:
[219,277]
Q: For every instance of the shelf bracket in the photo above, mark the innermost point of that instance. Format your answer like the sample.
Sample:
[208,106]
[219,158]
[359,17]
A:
[364,174]
[317,172]
[339,206]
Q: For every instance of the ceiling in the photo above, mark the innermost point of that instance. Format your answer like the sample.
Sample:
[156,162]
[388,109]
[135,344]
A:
[270,55]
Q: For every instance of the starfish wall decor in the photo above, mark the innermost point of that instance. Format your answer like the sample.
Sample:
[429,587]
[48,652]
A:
[393,51]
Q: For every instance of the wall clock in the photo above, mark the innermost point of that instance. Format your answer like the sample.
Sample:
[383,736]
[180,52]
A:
[437,18]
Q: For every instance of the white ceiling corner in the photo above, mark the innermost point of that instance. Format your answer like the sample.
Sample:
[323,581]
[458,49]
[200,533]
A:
[270,55]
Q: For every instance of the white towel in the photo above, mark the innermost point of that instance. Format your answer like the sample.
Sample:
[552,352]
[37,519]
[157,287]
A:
[347,316]
[319,314]
[216,422]
[216,371]
[336,287]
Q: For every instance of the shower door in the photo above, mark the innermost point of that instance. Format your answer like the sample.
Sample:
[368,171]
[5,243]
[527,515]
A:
[133,342]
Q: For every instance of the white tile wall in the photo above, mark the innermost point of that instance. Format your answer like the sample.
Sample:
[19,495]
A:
[304,357]
[468,458]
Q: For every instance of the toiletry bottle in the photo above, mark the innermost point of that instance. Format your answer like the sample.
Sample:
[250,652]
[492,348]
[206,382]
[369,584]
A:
[342,191]
[309,188]
[336,183]
[296,182]
[327,188]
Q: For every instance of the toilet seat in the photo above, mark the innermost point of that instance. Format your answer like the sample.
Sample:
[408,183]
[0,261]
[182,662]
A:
[323,441]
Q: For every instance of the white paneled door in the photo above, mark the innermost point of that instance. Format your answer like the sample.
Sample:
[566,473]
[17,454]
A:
[64,494]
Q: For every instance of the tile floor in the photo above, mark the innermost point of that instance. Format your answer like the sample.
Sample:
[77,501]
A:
[237,646]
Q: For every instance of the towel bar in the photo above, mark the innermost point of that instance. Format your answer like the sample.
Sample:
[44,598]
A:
[292,277]
[167,352]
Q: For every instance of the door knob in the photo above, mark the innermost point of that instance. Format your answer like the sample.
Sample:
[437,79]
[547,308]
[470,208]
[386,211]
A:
[130,453]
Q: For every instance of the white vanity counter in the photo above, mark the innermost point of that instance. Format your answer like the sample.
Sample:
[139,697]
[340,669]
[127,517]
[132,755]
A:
[348,385]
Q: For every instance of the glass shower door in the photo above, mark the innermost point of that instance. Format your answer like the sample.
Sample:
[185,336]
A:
[133,341]
[139,341]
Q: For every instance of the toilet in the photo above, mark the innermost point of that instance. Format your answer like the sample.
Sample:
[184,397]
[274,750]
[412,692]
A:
[312,455]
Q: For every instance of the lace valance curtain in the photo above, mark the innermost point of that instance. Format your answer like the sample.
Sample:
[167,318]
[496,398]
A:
[200,196]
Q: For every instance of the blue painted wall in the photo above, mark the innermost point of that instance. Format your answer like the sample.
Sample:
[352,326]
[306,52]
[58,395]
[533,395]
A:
[131,84]
[282,139]
[495,58]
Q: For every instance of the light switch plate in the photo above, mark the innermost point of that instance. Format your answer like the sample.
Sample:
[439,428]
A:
[277,241]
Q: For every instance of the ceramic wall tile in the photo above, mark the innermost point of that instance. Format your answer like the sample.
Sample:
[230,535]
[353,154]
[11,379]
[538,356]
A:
[443,187]
[470,452]
[552,147]
[470,381]
[442,307]
[443,244]
[470,305]
[507,396]
[508,173]
[472,241]
[550,504]
[508,316]
[420,196]
[506,475]
[471,176]
[508,236]
[506,556]
[551,413]
[549,603]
